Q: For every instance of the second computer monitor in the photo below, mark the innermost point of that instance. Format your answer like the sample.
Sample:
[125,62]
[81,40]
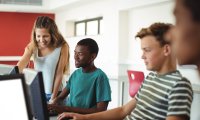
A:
[8,69]
[34,80]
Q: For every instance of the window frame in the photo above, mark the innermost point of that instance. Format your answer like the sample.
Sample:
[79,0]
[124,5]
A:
[98,19]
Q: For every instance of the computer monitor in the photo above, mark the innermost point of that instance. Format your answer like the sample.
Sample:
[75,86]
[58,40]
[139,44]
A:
[13,102]
[8,69]
[37,98]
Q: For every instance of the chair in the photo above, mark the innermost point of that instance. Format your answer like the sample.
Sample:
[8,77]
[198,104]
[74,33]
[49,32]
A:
[135,80]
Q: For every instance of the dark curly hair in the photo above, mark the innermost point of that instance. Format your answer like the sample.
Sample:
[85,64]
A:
[157,30]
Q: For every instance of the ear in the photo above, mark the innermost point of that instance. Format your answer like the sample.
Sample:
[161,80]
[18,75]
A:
[93,56]
[167,50]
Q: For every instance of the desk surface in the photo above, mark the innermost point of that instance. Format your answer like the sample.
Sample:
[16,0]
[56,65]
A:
[50,118]
[53,118]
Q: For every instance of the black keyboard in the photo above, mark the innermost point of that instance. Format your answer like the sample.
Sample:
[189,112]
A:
[53,113]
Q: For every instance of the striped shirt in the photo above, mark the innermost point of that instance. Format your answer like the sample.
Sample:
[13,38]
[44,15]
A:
[161,96]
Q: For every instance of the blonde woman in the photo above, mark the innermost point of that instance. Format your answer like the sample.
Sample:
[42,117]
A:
[50,54]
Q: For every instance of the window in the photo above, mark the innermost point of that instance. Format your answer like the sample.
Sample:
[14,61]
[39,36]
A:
[80,29]
[92,28]
[88,27]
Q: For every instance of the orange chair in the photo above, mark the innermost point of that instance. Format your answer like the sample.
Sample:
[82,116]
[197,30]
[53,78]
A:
[135,80]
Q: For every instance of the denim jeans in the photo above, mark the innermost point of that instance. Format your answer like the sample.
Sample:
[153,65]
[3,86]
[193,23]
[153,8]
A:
[48,97]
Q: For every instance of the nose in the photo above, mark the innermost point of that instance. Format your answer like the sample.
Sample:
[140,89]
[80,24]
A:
[143,56]
[75,56]
[40,39]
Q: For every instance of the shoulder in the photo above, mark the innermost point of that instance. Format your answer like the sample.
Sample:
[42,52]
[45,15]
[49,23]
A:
[100,72]
[101,75]
[179,78]
[77,72]
[65,46]
[182,84]
[31,47]
[65,49]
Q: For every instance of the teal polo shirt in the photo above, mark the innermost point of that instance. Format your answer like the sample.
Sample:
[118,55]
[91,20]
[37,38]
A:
[87,89]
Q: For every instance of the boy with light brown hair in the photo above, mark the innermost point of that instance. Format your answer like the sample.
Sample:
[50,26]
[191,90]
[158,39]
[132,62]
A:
[164,94]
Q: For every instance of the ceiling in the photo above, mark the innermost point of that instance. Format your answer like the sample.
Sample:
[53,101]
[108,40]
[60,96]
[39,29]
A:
[45,6]
[50,6]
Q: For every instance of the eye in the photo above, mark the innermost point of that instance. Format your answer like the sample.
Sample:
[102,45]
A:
[37,36]
[147,50]
[80,53]
[46,36]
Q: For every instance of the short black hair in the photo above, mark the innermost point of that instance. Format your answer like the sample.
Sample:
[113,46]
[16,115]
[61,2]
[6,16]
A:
[91,44]
[194,7]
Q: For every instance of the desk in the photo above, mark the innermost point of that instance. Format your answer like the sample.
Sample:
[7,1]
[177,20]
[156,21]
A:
[53,118]
[50,118]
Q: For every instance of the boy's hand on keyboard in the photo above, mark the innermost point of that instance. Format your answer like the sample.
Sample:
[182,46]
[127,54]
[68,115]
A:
[57,108]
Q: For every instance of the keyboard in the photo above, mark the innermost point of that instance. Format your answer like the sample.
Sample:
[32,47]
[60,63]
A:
[53,113]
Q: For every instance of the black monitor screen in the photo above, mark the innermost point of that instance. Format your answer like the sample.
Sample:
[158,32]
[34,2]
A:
[13,102]
[34,81]
[8,69]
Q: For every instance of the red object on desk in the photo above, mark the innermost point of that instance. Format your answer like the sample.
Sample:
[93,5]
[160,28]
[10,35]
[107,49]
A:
[135,80]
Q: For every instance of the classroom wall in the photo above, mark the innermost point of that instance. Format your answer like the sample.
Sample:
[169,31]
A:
[119,51]
[107,58]
[136,18]
[15,33]
[143,16]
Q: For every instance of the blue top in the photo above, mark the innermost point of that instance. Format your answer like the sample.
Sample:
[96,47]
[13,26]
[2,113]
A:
[87,89]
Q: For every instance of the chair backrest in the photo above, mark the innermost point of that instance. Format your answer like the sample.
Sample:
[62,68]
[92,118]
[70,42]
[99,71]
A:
[135,80]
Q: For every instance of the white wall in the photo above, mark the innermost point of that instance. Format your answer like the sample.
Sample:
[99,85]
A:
[119,50]
[108,41]
[107,58]
[143,16]
[130,22]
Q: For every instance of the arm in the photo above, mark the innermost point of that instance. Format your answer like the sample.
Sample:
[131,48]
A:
[23,62]
[54,104]
[101,106]
[61,97]
[63,61]
[114,114]
[180,100]
[180,117]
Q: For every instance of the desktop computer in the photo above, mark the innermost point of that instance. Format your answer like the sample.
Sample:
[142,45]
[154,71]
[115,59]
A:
[13,103]
[8,69]
[37,98]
